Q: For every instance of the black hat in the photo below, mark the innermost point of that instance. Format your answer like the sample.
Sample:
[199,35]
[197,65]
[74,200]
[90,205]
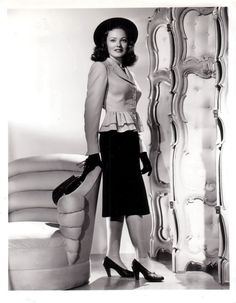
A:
[128,26]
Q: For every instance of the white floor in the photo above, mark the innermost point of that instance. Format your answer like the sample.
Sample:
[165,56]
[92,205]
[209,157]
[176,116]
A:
[188,280]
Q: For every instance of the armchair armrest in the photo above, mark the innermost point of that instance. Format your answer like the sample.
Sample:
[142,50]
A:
[76,215]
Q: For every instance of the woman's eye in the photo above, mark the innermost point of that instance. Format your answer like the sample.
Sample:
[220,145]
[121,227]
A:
[114,40]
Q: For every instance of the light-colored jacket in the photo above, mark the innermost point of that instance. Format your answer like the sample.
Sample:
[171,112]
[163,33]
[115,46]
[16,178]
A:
[114,89]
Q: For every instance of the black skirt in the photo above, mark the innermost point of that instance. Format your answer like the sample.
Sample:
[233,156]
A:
[124,191]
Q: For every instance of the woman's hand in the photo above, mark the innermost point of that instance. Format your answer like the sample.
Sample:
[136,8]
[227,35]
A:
[147,167]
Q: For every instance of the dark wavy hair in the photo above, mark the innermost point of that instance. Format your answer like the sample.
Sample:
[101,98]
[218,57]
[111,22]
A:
[100,52]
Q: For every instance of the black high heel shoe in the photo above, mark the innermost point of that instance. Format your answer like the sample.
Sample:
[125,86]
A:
[108,264]
[149,276]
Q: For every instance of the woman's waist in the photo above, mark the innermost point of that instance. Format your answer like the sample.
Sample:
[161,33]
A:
[121,106]
[121,121]
[130,111]
[118,115]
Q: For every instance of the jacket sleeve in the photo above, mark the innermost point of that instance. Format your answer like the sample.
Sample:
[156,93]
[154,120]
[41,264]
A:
[142,147]
[96,89]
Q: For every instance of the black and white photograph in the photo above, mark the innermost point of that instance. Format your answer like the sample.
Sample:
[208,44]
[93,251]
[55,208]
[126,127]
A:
[120,162]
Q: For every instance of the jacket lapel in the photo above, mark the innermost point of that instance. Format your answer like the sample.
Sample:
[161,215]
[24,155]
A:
[120,72]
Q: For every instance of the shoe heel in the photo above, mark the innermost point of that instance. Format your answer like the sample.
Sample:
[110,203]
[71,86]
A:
[108,270]
[136,275]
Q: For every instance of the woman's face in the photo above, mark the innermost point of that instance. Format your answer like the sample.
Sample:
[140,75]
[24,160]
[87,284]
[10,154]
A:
[117,43]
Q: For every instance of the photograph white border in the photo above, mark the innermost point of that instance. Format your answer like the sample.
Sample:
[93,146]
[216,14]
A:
[115,296]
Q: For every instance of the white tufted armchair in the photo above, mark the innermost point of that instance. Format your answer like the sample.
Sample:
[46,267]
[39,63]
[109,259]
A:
[49,246]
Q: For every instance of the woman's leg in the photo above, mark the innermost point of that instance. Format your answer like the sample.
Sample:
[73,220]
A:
[136,232]
[114,231]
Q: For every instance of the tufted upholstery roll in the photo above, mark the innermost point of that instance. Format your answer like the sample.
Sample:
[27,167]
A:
[49,246]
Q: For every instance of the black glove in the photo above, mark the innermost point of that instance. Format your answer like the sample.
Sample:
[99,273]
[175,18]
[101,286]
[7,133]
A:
[90,163]
[147,167]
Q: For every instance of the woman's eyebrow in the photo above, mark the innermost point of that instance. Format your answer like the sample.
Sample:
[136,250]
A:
[117,37]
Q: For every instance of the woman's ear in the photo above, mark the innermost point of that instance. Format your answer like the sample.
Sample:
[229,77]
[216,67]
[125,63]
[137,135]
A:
[130,47]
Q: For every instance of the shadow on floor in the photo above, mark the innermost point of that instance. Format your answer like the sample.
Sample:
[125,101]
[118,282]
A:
[114,283]
[164,258]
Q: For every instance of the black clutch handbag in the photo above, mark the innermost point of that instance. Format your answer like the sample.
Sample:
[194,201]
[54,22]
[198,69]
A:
[72,183]
[66,187]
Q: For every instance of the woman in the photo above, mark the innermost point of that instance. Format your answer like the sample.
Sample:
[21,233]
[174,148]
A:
[112,86]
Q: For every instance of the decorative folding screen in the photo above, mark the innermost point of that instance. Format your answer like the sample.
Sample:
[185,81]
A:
[188,64]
